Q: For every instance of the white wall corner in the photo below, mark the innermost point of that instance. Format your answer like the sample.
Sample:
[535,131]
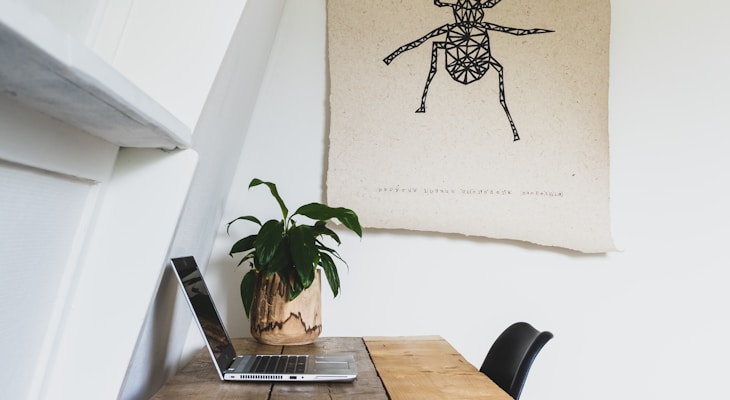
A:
[218,139]
[121,268]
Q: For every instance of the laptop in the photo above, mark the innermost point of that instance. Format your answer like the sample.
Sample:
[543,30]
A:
[252,367]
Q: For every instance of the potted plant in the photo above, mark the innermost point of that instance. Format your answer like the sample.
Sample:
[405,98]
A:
[281,291]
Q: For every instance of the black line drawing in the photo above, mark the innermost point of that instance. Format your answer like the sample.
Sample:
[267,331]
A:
[468,56]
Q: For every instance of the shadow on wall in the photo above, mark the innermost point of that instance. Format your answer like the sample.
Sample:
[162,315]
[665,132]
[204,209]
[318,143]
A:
[160,321]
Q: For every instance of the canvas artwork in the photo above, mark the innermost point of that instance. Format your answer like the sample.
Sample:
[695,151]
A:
[476,117]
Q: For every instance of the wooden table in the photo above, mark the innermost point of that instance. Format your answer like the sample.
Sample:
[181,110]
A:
[389,368]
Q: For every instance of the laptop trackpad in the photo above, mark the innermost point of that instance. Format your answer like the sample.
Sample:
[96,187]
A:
[333,363]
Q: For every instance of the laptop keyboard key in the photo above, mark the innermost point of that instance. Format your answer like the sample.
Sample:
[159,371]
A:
[279,364]
[301,364]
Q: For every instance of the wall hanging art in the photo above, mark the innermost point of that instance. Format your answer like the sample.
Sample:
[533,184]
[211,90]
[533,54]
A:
[477,117]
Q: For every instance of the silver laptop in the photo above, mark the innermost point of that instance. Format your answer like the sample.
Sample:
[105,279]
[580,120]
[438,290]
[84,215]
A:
[252,367]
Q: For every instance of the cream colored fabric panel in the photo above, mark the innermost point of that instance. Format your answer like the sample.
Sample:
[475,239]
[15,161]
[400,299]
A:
[456,167]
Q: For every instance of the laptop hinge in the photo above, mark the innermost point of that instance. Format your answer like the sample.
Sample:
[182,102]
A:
[236,363]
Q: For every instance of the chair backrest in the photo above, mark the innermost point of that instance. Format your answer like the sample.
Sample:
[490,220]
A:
[511,356]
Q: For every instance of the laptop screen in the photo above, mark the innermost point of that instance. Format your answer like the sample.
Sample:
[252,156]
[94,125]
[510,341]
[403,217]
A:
[204,310]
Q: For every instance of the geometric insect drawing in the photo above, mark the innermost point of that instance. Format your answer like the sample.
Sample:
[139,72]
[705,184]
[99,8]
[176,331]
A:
[468,56]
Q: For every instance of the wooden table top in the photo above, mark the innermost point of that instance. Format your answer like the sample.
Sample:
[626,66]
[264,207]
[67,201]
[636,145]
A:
[389,368]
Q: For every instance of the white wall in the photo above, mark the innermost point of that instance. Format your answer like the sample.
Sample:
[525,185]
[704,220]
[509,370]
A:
[218,140]
[122,218]
[51,176]
[77,17]
[171,49]
[646,322]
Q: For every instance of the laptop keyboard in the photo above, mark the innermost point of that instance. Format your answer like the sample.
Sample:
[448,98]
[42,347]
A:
[278,364]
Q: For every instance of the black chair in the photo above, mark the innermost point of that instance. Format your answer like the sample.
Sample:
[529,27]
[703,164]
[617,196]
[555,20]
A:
[511,356]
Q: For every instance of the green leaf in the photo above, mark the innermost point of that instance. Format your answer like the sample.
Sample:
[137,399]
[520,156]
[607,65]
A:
[321,212]
[302,243]
[247,218]
[268,240]
[249,257]
[274,192]
[295,287]
[330,272]
[282,259]
[322,230]
[248,286]
[245,244]
[321,247]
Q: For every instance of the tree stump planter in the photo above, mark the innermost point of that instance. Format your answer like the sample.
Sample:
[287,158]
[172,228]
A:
[278,321]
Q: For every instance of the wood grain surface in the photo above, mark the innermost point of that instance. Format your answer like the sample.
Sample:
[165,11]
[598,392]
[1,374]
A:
[199,380]
[428,368]
[417,368]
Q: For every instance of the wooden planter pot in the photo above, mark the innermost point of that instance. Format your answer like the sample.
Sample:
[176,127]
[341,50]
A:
[277,321]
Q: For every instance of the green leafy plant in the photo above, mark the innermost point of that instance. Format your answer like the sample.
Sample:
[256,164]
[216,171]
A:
[292,250]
